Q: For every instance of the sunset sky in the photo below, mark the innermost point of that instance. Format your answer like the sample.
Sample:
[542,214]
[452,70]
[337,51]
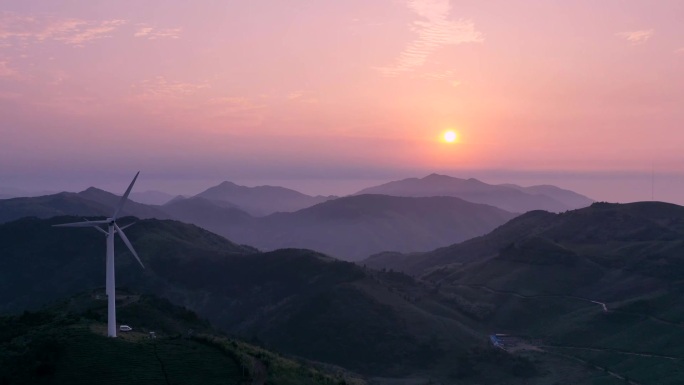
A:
[330,96]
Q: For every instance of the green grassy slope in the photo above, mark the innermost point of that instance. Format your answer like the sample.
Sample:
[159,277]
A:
[62,345]
[538,275]
[296,301]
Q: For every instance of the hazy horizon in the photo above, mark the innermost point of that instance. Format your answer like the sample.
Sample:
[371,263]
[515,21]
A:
[610,187]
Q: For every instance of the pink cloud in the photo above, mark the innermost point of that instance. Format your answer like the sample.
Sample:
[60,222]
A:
[152,33]
[302,97]
[6,71]
[75,32]
[160,88]
[70,104]
[295,95]
[237,110]
[444,76]
[636,37]
[193,101]
[234,104]
[434,31]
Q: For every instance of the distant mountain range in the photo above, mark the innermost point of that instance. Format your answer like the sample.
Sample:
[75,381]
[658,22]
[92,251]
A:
[151,197]
[509,197]
[351,228]
[260,200]
[90,202]
[354,227]
[218,217]
[9,192]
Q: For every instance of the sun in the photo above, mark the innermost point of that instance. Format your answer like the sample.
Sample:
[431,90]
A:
[450,136]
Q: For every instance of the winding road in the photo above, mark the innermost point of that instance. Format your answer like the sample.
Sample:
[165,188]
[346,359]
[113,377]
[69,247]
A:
[616,351]
[604,307]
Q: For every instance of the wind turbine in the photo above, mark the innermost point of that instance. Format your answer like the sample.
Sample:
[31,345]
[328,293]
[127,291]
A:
[112,228]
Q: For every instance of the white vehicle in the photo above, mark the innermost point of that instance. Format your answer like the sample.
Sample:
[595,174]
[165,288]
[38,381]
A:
[125,328]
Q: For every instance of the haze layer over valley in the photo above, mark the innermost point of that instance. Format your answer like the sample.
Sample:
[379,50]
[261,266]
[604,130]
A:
[413,215]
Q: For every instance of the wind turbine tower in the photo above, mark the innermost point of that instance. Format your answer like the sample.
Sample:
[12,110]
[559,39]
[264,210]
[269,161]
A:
[112,228]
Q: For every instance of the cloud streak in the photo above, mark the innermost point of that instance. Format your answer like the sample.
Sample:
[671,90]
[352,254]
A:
[6,71]
[159,88]
[433,31]
[151,33]
[636,37]
[238,111]
[25,30]
[444,76]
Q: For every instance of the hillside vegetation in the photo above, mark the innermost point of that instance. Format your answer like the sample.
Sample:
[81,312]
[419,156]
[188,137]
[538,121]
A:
[297,301]
[64,344]
[601,284]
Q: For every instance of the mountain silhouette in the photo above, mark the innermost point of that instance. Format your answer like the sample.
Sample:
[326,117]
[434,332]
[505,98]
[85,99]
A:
[354,227]
[508,197]
[90,202]
[260,200]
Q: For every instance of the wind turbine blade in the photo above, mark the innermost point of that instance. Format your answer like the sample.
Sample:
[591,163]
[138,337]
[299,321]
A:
[124,197]
[82,224]
[128,243]
[128,225]
[96,227]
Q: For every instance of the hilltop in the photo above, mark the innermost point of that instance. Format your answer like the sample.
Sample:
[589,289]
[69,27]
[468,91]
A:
[89,202]
[260,200]
[65,344]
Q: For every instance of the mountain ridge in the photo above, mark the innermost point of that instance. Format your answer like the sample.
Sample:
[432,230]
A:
[351,227]
[260,200]
[513,199]
[354,227]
